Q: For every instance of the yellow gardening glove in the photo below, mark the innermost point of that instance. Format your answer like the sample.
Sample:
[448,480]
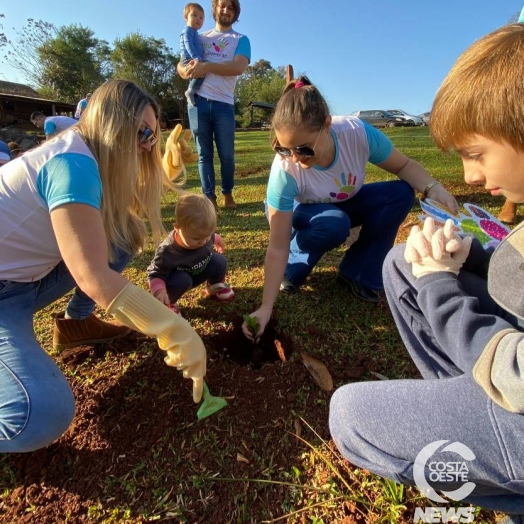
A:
[436,249]
[137,309]
[178,152]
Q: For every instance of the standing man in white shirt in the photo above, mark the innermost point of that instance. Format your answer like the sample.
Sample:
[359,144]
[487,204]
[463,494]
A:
[226,56]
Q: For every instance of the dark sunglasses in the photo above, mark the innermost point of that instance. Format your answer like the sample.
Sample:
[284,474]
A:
[303,151]
[147,136]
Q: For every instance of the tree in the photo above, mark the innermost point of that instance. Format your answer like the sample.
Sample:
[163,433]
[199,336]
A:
[259,83]
[64,63]
[149,63]
[74,62]
[22,54]
[3,38]
[259,69]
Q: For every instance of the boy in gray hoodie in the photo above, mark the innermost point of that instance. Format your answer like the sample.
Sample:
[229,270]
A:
[460,312]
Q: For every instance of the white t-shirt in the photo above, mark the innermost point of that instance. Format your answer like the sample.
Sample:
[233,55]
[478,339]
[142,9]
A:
[356,144]
[58,172]
[56,124]
[222,47]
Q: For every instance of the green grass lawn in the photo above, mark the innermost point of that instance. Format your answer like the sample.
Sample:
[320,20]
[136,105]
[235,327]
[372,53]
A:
[283,481]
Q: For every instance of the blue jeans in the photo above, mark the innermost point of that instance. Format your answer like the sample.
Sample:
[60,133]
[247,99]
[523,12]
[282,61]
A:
[382,426]
[211,120]
[380,208]
[36,401]
[179,282]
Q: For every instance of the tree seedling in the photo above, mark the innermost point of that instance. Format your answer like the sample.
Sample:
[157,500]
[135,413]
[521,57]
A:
[253,326]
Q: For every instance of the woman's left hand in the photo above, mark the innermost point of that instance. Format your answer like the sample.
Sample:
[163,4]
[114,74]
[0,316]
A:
[440,194]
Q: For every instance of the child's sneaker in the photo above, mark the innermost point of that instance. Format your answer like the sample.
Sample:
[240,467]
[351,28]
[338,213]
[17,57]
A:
[220,291]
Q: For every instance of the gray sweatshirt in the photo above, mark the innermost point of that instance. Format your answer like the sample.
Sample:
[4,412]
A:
[485,345]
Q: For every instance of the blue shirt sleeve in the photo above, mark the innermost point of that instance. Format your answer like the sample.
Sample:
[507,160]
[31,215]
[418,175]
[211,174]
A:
[70,178]
[380,146]
[244,47]
[49,127]
[281,188]
[192,44]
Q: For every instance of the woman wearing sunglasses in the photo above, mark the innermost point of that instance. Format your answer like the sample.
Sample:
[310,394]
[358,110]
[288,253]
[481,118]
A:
[316,193]
[72,214]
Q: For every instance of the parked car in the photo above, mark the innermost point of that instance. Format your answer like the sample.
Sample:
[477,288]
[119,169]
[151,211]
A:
[380,118]
[412,119]
[425,117]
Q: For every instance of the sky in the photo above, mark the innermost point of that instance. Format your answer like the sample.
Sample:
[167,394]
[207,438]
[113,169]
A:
[361,54]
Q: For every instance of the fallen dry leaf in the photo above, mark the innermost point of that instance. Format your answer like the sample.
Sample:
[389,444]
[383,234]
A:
[280,350]
[318,370]
[241,458]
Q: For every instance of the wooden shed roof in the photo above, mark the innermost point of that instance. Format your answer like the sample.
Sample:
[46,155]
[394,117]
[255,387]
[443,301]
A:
[22,91]
[11,88]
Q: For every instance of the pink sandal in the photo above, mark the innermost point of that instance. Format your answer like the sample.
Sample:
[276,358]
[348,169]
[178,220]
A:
[220,291]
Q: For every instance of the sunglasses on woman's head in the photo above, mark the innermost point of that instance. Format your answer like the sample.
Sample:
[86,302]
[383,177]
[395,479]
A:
[303,151]
[147,136]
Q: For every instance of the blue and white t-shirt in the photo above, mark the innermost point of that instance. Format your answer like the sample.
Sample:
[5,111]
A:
[356,144]
[57,124]
[58,172]
[80,107]
[222,47]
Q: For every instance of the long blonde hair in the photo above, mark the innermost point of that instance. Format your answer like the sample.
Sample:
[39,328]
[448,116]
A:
[133,184]
[483,93]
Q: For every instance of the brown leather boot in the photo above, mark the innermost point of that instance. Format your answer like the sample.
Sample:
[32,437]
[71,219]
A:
[508,213]
[69,333]
[229,202]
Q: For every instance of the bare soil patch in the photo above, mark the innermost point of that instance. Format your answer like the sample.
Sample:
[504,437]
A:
[136,446]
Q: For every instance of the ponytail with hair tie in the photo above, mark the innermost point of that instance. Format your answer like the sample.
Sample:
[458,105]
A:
[306,108]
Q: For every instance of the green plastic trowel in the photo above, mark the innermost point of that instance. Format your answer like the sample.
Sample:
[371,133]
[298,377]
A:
[210,404]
